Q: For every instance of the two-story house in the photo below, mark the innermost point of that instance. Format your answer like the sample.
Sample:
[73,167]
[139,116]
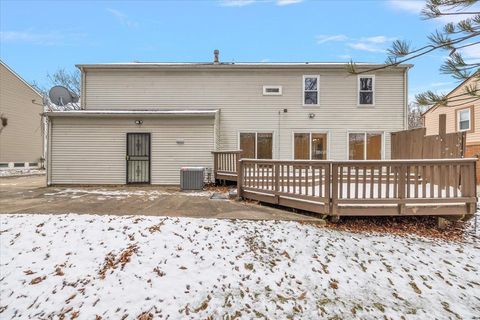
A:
[142,122]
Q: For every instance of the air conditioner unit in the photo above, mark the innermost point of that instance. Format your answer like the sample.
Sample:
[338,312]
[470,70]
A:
[192,178]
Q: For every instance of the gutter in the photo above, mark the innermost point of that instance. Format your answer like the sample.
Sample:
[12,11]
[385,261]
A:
[123,113]
[223,66]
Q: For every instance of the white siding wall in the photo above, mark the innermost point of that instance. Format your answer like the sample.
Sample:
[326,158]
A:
[238,94]
[92,151]
[21,140]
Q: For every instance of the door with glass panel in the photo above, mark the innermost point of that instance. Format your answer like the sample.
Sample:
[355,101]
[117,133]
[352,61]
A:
[256,145]
[138,158]
[310,146]
[365,146]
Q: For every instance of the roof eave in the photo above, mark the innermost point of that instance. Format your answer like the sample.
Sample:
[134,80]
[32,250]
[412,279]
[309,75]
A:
[190,66]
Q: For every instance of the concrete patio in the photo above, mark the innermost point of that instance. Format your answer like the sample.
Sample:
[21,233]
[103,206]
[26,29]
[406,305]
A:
[29,194]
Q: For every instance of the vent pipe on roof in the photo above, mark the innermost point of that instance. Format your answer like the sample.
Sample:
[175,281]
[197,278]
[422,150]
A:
[215,58]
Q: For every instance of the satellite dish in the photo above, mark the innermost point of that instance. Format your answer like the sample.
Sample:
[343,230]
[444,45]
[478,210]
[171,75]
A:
[61,96]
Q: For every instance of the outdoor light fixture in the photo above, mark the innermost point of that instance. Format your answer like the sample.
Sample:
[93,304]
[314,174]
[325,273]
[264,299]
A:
[311,115]
[139,122]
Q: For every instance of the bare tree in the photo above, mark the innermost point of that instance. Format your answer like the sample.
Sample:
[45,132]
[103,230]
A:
[415,115]
[454,38]
[61,77]
[70,80]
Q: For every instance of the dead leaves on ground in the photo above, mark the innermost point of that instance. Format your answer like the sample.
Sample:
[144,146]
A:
[112,261]
[421,226]
[37,280]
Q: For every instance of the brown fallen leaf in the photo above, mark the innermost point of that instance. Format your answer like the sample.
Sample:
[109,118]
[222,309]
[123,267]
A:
[59,272]
[28,272]
[37,280]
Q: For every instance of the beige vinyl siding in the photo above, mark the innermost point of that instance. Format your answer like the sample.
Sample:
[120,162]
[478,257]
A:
[239,96]
[92,151]
[431,118]
[21,140]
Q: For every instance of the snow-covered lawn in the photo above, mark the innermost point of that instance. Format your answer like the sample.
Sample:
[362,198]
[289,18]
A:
[115,266]
[20,172]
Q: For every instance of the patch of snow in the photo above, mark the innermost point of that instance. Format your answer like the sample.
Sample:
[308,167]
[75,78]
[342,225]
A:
[20,172]
[104,194]
[115,266]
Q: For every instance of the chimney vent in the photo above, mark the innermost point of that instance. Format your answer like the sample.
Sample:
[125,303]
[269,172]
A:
[216,53]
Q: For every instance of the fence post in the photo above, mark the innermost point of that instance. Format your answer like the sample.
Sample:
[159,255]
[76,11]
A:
[401,188]
[239,178]
[442,132]
[334,199]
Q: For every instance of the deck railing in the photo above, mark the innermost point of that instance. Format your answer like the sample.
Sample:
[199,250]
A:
[395,187]
[406,187]
[299,184]
[225,164]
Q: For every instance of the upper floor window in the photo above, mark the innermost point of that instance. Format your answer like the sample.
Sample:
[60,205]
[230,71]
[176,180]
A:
[464,121]
[366,90]
[310,90]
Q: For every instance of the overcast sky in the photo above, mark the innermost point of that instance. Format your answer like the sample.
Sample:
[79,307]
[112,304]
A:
[37,37]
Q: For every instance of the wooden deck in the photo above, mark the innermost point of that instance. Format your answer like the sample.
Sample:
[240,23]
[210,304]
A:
[443,187]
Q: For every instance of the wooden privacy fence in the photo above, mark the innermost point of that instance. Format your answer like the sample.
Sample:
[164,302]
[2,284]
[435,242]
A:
[414,144]
[395,187]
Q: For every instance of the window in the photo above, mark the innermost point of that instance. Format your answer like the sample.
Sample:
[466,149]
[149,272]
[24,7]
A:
[272,90]
[464,119]
[365,146]
[257,145]
[366,87]
[19,165]
[310,90]
[310,146]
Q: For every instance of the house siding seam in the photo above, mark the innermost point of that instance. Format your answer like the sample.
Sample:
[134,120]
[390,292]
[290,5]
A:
[239,96]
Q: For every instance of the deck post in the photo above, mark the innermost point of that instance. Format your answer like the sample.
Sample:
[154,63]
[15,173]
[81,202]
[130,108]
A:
[239,178]
[276,183]
[401,188]
[215,166]
[327,187]
[334,198]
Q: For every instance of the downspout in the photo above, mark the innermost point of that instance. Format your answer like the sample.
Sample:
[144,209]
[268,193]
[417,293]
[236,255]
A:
[83,102]
[405,95]
[49,151]
[278,135]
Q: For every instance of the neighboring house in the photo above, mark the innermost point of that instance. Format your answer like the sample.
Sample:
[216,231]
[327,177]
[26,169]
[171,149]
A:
[142,122]
[463,114]
[21,134]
